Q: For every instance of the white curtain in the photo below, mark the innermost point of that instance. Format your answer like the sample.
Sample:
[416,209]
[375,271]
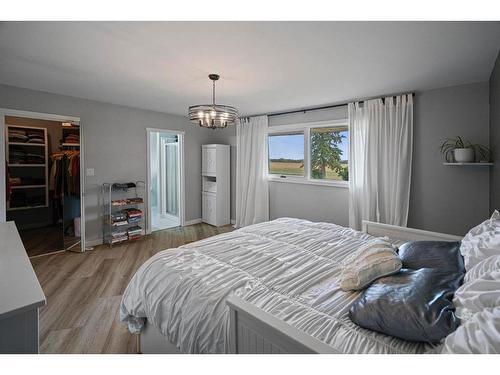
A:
[381,136]
[252,194]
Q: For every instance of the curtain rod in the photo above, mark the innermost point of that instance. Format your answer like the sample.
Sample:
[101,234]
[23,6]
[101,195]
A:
[304,110]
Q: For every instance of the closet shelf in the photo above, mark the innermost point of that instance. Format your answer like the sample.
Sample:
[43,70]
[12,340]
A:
[70,144]
[27,144]
[27,186]
[26,207]
[26,165]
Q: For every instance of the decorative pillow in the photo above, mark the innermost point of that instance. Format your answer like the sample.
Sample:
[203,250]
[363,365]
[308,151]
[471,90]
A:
[481,241]
[414,305]
[480,334]
[477,295]
[432,254]
[375,259]
[485,266]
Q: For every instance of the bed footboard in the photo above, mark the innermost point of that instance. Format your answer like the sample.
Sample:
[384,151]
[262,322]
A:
[254,331]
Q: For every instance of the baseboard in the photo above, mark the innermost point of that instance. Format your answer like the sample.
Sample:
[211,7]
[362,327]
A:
[192,222]
[197,221]
[94,242]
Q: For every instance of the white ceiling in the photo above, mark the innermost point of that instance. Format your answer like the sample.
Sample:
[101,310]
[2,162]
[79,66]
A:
[265,66]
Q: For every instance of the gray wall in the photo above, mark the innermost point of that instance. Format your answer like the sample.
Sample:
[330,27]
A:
[449,199]
[495,136]
[115,143]
[443,198]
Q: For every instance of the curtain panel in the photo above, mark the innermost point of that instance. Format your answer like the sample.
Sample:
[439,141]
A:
[252,193]
[380,156]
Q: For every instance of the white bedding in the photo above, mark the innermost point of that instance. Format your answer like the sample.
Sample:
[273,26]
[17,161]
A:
[287,267]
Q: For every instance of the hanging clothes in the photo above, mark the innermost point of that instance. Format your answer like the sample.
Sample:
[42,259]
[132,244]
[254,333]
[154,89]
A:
[64,177]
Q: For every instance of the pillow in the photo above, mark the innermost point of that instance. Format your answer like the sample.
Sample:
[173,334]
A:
[485,266]
[481,241]
[477,295]
[414,305]
[432,254]
[375,259]
[480,334]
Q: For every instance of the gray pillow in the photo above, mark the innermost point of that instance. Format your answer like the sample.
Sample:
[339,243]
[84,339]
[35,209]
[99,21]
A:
[414,305]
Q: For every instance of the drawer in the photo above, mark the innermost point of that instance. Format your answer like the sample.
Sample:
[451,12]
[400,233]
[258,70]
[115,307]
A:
[209,208]
[209,186]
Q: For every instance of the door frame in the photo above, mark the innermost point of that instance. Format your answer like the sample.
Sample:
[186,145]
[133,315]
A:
[41,116]
[181,136]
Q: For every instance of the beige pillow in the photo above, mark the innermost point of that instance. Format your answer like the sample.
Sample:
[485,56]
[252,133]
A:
[371,261]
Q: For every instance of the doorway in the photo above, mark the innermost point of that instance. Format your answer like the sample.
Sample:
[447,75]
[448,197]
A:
[165,179]
[42,180]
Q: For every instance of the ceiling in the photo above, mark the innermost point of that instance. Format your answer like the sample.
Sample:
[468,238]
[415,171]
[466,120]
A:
[264,66]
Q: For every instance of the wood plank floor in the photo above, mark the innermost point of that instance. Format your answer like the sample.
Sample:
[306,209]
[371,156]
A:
[84,291]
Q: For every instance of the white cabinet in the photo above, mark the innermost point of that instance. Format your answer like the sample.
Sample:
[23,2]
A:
[216,194]
[209,161]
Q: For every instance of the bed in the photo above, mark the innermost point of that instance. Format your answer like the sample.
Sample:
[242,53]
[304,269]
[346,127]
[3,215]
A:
[266,288]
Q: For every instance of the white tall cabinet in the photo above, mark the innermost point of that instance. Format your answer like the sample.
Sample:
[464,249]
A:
[216,193]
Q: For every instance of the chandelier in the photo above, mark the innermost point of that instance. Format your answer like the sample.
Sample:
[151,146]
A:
[214,116]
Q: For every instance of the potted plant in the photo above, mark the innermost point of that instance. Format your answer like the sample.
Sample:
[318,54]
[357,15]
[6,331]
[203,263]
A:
[463,151]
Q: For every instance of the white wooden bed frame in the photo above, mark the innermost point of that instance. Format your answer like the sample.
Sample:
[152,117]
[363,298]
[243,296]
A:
[254,331]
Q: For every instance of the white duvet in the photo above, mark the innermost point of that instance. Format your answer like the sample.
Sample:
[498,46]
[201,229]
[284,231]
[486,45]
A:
[287,267]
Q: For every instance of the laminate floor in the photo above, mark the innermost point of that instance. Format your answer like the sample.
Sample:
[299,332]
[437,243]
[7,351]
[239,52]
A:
[84,291]
[42,240]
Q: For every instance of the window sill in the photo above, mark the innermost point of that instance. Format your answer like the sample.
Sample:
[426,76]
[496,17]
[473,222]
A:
[305,181]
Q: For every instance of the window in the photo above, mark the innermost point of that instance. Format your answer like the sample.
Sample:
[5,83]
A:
[313,153]
[286,154]
[329,153]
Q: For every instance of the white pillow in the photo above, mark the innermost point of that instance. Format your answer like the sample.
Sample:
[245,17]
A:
[481,241]
[371,261]
[481,334]
[477,295]
[485,266]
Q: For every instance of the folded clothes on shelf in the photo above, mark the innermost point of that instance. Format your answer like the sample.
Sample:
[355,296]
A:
[133,213]
[127,201]
[119,216]
[118,223]
[72,138]
[135,232]
[123,186]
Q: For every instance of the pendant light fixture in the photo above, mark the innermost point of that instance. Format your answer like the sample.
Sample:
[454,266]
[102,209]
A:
[214,116]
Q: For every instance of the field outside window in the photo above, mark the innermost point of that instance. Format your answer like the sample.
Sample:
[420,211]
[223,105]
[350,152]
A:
[286,154]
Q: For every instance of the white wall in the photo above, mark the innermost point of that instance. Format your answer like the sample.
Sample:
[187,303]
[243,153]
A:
[115,143]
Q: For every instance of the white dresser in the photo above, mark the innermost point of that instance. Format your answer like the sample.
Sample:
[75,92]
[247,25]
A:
[216,193]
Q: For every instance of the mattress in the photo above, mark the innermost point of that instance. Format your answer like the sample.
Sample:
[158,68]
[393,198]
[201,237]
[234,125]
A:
[288,267]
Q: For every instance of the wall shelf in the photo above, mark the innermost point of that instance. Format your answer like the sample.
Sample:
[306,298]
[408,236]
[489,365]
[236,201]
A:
[475,164]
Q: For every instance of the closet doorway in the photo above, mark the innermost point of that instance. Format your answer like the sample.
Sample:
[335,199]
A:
[41,180]
[165,179]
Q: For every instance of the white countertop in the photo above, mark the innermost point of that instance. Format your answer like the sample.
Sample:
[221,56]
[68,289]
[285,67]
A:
[19,287]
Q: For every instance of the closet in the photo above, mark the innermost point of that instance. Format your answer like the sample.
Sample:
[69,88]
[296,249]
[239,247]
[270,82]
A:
[43,183]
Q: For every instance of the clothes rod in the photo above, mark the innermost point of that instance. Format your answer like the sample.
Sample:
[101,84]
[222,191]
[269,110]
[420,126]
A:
[304,110]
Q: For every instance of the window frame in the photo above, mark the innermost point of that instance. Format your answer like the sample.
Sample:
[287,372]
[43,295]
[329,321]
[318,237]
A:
[306,129]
